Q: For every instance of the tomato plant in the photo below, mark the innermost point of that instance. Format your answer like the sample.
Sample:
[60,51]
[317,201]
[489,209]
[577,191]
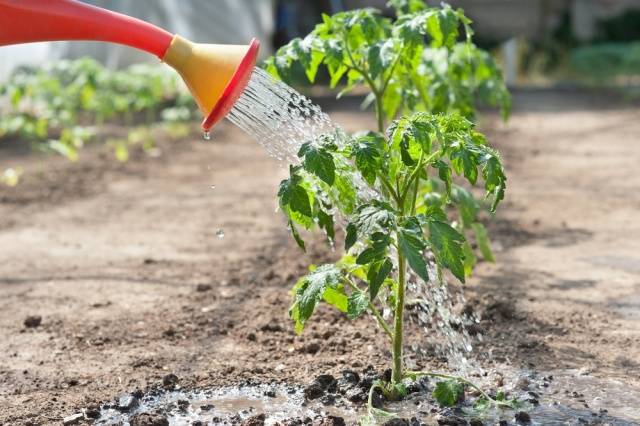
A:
[395,186]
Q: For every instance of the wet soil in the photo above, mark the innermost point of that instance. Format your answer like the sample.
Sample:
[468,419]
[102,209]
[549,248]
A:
[134,290]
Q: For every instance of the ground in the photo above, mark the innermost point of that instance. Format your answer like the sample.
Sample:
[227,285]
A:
[126,269]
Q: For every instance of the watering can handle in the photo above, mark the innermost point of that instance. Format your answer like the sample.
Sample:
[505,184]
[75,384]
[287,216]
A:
[26,21]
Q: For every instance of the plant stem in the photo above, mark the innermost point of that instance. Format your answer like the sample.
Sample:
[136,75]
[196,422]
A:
[380,112]
[396,373]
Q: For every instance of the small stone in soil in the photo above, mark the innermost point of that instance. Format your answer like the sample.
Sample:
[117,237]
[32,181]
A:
[255,420]
[523,417]
[33,321]
[73,419]
[149,419]
[170,381]
[201,288]
[126,403]
[270,393]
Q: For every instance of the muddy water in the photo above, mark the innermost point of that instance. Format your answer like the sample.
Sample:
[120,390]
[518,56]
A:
[553,398]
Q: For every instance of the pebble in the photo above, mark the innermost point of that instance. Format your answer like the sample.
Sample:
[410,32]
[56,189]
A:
[73,419]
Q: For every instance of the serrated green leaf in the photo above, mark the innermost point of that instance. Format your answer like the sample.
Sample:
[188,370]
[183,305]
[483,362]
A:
[319,162]
[448,392]
[358,303]
[351,237]
[446,243]
[296,235]
[411,243]
[310,289]
[377,274]
[336,298]
[368,157]
[376,251]
[294,197]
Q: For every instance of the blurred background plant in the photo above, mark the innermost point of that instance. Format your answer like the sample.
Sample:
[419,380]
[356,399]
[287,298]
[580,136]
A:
[63,106]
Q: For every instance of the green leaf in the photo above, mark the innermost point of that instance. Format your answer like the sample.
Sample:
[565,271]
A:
[470,259]
[336,298]
[351,237]
[368,157]
[482,239]
[494,178]
[444,173]
[310,289]
[358,303]
[293,196]
[319,162]
[325,222]
[374,216]
[411,243]
[446,243]
[465,161]
[296,235]
[375,61]
[376,251]
[467,206]
[378,272]
[448,392]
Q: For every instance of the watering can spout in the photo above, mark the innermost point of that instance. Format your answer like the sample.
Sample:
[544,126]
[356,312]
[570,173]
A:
[215,74]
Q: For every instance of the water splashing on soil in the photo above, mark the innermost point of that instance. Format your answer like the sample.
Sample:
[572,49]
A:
[553,398]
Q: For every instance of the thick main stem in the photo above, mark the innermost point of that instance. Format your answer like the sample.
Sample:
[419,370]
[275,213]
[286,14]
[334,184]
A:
[397,371]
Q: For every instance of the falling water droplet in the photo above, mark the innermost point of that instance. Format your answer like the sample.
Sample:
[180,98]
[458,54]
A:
[207,136]
[213,187]
[220,234]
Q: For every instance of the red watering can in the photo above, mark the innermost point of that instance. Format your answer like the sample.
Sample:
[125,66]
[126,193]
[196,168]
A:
[215,74]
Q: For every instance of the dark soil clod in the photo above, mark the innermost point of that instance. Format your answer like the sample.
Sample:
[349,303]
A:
[523,417]
[170,381]
[33,321]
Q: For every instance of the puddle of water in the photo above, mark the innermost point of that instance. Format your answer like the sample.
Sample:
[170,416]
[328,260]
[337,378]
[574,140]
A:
[558,398]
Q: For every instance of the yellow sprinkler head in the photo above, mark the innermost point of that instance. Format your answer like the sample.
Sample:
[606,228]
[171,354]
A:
[216,74]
